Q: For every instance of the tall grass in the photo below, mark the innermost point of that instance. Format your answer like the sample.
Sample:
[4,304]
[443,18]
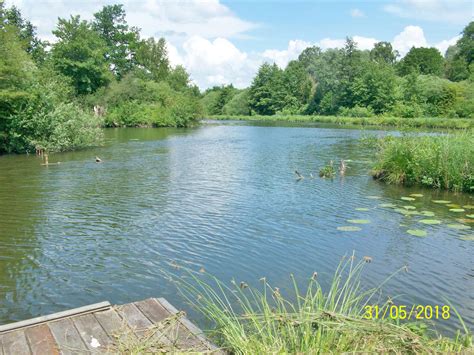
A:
[418,122]
[445,162]
[250,320]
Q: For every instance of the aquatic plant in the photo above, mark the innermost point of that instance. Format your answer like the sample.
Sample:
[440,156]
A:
[443,161]
[267,320]
[327,171]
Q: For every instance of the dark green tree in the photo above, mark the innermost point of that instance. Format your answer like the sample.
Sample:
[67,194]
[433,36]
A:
[267,94]
[383,52]
[26,34]
[79,54]
[466,44]
[121,40]
[152,57]
[422,61]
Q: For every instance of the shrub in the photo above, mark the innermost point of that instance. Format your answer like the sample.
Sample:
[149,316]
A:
[356,111]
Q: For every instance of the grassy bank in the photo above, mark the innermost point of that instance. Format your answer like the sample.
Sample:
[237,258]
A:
[445,162]
[251,320]
[419,122]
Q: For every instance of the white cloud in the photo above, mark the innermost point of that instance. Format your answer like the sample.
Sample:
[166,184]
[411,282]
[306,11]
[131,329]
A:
[156,18]
[452,11]
[443,45]
[411,36]
[282,57]
[357,13]
[216,62]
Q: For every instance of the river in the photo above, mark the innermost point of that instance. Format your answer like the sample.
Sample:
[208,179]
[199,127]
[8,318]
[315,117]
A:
[222,196]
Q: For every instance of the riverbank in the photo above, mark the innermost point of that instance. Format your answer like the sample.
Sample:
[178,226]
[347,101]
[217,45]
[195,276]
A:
[419,122]
[440,162]
[267,320]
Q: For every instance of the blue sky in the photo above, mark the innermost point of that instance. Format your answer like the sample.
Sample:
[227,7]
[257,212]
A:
[225,41]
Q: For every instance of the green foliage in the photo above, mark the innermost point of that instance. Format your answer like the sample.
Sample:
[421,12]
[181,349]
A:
[422,61]
[383,53]
[266,91]
[238,104]
[120,39]
[151,56]
[311,319]
[445,162]
[80,55]
[135,101]
[466,44]
[327,171]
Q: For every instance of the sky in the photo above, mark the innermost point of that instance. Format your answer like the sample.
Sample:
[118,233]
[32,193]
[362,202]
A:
[225,41]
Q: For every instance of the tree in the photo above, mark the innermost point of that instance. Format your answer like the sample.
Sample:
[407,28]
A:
[466,44]
[383,52]
[375,88]
[298,86]
[80,55]
[26,34]
[120,39]
[152,57]
[422,61]
[266,92]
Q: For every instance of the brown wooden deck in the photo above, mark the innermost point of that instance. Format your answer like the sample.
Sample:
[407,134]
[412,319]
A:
[102,328]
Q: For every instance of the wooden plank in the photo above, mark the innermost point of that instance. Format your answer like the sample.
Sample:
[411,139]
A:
[54,316]
[115,327]
[134,318]
[15,343]
[67,337]
[154,311]
[156,314]
[92,333]
[111,322]
[189,326]
[41,340]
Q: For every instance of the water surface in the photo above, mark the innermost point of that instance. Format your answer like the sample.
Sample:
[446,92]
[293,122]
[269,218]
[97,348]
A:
[224,197]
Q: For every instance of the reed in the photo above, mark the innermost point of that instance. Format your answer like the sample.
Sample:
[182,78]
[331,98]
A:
[418,122]
[442,161]
[249,320]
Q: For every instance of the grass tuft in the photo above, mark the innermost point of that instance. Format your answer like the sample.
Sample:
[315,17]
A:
[249,320]
[444,162]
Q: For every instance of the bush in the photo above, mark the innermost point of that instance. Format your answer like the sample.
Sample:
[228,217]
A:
[136,101]
[356,111]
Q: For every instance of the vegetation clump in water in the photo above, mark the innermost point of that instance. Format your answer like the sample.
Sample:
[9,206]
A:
[443,162]
[327,171]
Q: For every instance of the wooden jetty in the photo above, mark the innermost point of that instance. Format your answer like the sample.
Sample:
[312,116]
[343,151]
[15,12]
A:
[152,325]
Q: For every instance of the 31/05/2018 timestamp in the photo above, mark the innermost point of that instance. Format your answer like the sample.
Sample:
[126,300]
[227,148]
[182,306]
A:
[404,312]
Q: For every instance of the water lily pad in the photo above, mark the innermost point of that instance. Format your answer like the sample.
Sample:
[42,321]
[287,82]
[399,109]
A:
[406,212]
[358,221]
[409,207]
[362,209]
[417,232]
[387,205]
[457,210]
[349,228]
[470,215]
[453,205]
[430,221]
[405,198]
[427,213]
[441,201]
[468,207]
[416,195]
[458,226]
[467,237]
[374,197]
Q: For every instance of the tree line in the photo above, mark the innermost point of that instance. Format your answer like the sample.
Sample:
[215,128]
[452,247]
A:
[48,90]
[359,83]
